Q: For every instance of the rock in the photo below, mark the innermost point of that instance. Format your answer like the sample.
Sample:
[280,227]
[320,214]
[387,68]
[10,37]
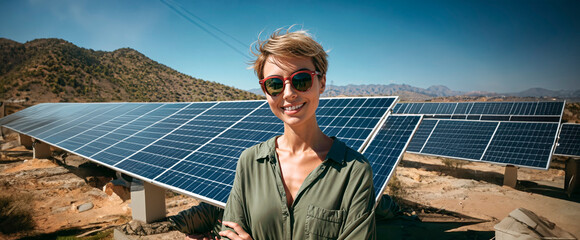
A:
[96,193]
[98,181]
[121,191]
[9,145]
[65,181]
[85,207]
[139,228]
[60,209]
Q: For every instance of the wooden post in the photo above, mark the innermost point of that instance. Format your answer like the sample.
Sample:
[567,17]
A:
[510,178]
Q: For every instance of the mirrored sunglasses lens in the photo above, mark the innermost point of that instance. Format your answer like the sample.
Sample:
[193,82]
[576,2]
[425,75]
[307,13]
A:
[274,86]
[302,81]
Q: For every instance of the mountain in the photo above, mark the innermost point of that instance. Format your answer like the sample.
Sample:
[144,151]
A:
[411,93]
[542,92]
[54,70]
[407,92]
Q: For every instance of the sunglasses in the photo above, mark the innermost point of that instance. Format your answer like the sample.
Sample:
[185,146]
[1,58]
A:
[301,81]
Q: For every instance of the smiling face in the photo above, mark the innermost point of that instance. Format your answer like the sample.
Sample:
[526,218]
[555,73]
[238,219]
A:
[293,107]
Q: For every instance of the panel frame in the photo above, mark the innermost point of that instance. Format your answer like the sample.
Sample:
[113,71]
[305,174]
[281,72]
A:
[405,108]
[558,141]
[384,185]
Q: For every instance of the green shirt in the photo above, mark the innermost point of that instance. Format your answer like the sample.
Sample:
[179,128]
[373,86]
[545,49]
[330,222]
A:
[335,201]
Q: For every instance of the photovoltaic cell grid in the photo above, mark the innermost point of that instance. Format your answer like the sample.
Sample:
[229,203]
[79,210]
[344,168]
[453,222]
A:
[462,139]
[188,147]
[351,120]
[527,144]
[569,142]
[497,111]
[387,147]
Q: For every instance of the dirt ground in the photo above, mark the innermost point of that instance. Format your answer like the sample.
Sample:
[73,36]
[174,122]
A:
[437,201]
[466,202]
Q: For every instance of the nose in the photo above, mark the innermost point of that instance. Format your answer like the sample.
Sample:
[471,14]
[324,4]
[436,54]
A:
[289,91]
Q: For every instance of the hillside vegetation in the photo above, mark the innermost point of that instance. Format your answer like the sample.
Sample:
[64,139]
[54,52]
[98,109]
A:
[54,70]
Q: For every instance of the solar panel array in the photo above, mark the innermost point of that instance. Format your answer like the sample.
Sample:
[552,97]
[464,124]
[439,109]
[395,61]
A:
[569,142]
[191,148]
[527,144]
[387,147]
[496,111]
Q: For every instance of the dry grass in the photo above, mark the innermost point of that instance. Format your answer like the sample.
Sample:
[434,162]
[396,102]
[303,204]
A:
[15,213]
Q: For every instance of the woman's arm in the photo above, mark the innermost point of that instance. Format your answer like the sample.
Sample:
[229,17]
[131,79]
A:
[360,222]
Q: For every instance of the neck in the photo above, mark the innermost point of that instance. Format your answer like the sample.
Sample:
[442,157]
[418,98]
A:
[304,137]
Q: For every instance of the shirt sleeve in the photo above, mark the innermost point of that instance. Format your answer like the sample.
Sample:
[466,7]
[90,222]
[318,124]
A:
[360,221]
[202,218]
[235,207]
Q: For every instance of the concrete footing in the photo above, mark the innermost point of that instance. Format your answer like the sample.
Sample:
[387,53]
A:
[41,150]
[147,201]
[571,185]
[510,177]
[25,141]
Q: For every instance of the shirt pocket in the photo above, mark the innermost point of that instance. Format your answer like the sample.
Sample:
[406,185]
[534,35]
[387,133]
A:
[323,223]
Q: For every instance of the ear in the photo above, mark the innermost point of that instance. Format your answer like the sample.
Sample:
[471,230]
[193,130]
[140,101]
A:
[322,82]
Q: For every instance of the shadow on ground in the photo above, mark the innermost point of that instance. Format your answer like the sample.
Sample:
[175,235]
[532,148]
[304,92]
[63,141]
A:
[463,173]
[405,228]
[70,233]
[495,178]
[417,221]
[549,191]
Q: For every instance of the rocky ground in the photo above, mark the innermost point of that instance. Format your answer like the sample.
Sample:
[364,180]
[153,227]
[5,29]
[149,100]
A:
[439,199]
[467,201]
[69,199]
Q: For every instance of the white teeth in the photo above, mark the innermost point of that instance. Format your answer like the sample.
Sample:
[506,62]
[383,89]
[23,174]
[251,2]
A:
[291,108]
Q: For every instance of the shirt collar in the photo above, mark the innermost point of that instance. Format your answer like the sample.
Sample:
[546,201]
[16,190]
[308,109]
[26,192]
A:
[336,153]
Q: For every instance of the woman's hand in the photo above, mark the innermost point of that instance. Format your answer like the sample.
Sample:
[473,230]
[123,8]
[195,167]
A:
[240,234]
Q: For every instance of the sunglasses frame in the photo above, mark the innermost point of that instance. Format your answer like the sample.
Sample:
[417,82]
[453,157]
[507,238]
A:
[312,74]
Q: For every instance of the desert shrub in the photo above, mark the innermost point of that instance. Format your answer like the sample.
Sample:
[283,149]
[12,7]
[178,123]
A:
[15,213]
[453,164]
[395,187]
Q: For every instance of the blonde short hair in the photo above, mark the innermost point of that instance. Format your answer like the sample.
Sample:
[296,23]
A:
[284,43]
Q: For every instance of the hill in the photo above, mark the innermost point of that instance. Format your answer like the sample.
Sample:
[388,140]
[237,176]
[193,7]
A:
[54,70]
[410,93]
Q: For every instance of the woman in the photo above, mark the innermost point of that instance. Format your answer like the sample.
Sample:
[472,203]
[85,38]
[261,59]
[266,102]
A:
[302,184]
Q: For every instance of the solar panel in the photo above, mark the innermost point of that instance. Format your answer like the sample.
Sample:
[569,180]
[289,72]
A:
[423,132]
[191,148]
[387,147]
[462,139]
[495,111]
[527,144]
[523,144]
[569,142]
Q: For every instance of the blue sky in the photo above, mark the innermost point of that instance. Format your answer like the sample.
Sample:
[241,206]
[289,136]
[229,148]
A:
[488,45]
